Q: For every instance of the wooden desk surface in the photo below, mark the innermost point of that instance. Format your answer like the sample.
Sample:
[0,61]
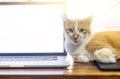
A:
[85,71]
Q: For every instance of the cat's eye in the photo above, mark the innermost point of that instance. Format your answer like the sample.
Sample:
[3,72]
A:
[81,30]
[70,30]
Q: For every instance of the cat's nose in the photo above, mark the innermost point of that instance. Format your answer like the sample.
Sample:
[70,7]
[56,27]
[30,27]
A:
[75,36]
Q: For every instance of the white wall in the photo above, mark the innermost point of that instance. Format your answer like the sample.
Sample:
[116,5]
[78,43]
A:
[107,21]
[106,12]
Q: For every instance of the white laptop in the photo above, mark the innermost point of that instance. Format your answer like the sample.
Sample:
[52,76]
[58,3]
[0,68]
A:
[31,35]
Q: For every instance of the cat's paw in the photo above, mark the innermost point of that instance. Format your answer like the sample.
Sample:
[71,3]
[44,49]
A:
[81,58]
[70,60]
[104,55]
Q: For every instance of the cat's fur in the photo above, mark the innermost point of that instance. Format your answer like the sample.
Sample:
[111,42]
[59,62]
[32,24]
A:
[84,46]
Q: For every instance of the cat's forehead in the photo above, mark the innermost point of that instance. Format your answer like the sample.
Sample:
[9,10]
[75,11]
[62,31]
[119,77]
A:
[78,23]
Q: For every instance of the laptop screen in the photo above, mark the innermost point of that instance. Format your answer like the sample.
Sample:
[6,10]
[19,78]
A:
[31,28]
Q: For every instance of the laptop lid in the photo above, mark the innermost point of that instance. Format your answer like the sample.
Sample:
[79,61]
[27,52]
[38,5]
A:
[31,28]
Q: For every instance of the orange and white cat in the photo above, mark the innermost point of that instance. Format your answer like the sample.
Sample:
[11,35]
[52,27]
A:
[84,46]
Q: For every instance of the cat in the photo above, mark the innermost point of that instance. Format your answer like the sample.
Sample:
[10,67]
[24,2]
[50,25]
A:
[84,46]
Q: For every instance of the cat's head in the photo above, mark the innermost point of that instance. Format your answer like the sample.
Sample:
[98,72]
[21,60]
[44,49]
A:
[76,30]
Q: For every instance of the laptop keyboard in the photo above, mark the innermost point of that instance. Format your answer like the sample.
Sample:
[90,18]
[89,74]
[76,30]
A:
[27,58]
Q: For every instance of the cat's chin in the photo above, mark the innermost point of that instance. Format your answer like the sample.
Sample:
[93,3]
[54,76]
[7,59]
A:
[76,42]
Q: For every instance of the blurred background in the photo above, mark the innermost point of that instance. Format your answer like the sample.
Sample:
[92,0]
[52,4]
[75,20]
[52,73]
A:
[106,13]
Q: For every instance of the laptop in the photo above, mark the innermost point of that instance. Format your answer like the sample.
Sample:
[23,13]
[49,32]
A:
[31,35]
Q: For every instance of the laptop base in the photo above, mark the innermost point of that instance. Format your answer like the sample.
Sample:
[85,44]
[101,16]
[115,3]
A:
[59,62]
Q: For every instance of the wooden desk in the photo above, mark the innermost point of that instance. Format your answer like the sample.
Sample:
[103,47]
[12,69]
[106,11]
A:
[80,71]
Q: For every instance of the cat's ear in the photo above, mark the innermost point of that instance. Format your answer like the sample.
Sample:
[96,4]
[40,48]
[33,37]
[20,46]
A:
[89,19]
[65,19]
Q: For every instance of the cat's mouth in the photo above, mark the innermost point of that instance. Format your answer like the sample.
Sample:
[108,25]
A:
[76,41]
